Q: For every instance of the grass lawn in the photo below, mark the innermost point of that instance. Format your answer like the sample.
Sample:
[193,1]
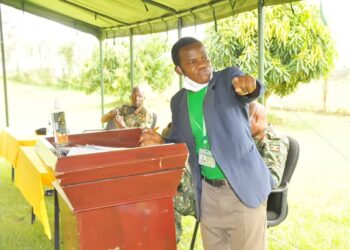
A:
[16,230]
[319,201]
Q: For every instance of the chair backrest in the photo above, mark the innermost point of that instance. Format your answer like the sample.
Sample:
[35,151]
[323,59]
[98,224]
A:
[277,203]
[292,160]
[154,116]
[110,125]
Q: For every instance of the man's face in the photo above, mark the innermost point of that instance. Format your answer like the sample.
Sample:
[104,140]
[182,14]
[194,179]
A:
[195,63]
[254,124]
[258,122]
[137,98]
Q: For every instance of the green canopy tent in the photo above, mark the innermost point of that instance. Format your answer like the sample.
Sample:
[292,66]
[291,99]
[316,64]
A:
[117,18]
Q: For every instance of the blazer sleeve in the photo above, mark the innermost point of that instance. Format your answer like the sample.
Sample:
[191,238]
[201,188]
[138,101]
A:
[256,93]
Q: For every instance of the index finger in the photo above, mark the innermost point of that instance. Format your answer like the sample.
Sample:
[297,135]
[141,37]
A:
[235,80]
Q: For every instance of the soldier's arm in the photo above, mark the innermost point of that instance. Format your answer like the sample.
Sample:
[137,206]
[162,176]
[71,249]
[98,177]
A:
[106,117]
[274,153]
[184,200]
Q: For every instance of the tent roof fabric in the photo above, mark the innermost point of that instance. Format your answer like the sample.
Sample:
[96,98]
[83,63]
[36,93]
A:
[118,18]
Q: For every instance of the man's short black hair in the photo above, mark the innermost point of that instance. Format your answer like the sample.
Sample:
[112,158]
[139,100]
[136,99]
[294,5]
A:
[182,42]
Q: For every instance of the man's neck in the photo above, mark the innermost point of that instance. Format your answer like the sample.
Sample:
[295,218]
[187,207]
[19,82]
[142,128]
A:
[259,136]
[138,109]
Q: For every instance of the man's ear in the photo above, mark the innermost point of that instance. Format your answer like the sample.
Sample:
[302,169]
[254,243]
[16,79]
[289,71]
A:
[178,70]
[259,116]
[256,117]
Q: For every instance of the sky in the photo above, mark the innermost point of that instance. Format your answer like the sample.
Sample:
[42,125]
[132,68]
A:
[337,16]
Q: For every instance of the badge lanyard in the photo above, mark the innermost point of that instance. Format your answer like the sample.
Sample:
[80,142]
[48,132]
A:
[205,157]
[204,130]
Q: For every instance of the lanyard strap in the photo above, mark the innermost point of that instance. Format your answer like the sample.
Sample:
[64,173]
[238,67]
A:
[203,128]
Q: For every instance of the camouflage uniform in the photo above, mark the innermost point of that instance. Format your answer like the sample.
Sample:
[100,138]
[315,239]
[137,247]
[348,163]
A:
[184,203]
[142,119]
[274,150]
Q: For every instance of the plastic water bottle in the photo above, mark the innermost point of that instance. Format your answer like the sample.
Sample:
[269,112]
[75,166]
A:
[49,128]
[59,126]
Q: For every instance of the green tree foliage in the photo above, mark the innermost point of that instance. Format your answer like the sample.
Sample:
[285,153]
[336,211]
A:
[152,65]
[66,51]
[115,70]
[298,47]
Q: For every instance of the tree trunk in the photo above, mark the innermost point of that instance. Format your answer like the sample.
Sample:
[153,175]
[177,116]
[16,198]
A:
[325,94]
[266,96]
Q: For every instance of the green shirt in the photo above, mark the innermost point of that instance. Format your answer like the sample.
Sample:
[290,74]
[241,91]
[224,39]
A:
[195,110]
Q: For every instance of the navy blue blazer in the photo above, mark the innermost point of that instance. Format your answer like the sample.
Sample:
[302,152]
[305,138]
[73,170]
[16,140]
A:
[227,122]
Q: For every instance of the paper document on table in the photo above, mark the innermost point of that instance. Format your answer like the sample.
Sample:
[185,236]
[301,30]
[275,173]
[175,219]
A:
[88,149]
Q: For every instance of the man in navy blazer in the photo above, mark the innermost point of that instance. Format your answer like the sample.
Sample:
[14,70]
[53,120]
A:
[231,180]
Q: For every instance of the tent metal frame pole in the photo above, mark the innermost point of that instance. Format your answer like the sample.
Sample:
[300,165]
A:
[4,71]
[261,19]
[179,35]
[132,58]
[56,220]
[101,78]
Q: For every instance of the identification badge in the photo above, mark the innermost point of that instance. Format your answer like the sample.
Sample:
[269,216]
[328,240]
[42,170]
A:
[205,158]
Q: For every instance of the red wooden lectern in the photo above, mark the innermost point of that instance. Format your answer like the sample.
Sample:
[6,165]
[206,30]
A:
[118,199]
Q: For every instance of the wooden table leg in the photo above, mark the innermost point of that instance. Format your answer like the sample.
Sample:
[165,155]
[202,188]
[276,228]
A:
[12,174]
[33,216]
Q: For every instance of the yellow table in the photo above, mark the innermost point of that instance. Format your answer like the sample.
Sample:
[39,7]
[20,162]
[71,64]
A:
[17,147]
[11,140]
[31,177]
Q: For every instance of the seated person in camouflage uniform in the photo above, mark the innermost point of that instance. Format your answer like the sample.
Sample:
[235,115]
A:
[130,116]
[184,203]
[272,146]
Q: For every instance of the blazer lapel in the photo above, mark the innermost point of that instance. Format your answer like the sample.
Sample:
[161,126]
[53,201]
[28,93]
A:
[208,106]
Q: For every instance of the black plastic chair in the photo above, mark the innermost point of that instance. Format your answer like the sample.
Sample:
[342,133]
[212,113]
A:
[277,204]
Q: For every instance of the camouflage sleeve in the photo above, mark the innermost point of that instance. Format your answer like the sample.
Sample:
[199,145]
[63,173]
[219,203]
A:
[274,152]
[184,203]
[144,119]
[148,121]
[178,225]
[123,110]
[184,200]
